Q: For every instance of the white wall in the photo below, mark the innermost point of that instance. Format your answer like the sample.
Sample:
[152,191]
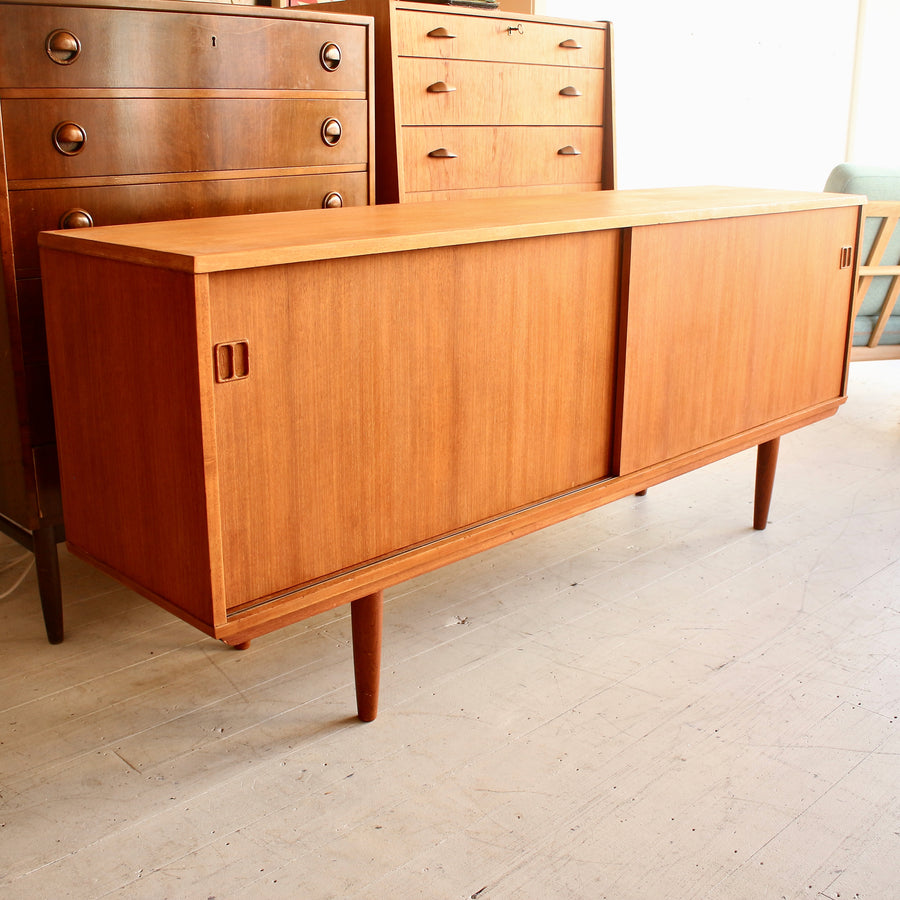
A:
[719,92]
[875,126]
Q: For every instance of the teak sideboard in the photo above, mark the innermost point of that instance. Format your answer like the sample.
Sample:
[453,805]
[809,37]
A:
[140,111]
[260,418]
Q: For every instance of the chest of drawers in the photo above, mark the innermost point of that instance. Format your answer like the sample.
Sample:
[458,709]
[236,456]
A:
[474,103]
[113,114]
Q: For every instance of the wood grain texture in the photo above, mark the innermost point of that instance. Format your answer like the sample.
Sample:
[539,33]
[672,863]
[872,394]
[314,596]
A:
[718,342]
[518,190]
[178,45]
[384,408]
[186,135]
[480,36]
[207,245]
[127,395]
[499,157]
[487,93]
[34,211]
[508,71]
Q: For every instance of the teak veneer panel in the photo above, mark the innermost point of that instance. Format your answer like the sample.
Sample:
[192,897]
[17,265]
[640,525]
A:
[473,93]
[228,242]
[232,133]
[500,157]
[494,35]
[418,383]
[759,313]
[382,410]
[137,463]
[206,46]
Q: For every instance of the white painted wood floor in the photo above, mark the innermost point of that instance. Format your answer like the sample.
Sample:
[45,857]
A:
[651,701]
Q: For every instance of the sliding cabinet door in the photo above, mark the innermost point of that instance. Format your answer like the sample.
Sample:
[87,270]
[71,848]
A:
[731,323]
[397,398]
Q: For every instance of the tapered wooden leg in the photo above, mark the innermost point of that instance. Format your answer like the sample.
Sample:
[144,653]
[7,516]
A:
[766,460]
[642,493]
[46,560]
[366,615]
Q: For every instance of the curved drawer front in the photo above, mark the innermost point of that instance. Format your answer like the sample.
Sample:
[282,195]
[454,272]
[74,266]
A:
[500,157]
[45,210]
[161,49]
[453,92]
[490,38]
[123,137]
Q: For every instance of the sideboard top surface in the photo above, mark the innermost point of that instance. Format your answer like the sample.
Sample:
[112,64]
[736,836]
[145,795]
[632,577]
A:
[241,242]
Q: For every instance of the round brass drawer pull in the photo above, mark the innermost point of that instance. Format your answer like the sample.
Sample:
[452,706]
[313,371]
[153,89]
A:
[76,218]
[330,56]
[331,131]
[569,151]
[62,47]
[69,138]
[332,200]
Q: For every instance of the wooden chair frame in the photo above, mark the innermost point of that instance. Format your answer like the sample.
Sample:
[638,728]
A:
[889,212]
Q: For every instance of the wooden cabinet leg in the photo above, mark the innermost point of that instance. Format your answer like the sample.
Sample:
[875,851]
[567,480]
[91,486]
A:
[46,561]
[366,615]
[766,460]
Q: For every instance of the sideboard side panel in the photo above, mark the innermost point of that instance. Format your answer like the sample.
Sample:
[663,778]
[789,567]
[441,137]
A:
[730,324]
[123,342]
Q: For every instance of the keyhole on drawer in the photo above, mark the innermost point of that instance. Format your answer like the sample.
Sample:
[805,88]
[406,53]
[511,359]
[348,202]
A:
[214,40]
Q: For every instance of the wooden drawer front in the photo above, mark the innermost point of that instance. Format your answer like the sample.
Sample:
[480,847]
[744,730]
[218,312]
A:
[500,157]
[43,210]
[489,38]
[131,48]
[487,93]
[150,136]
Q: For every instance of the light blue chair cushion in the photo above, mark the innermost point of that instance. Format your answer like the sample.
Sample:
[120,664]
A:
[877,184]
